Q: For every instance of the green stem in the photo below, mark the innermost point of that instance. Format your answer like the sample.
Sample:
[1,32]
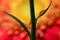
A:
[33,28]
[20,22]
[44,11]
[33,21]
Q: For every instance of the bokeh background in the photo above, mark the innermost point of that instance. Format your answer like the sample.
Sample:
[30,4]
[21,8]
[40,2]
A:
[47,26]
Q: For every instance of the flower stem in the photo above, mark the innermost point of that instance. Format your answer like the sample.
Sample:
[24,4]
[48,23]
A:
[20,22]
[44,11]
[33,21]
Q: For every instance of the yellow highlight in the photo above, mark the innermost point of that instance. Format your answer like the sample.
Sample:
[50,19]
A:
[21,9]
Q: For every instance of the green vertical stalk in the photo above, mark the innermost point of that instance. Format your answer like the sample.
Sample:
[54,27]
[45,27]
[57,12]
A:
[32,35]
[33,28]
